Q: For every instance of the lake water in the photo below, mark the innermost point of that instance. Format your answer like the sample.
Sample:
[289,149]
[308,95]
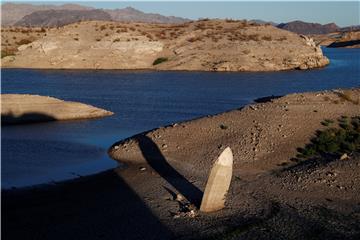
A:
[142,100]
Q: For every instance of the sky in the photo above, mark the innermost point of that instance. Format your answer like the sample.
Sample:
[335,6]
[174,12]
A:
[343,13]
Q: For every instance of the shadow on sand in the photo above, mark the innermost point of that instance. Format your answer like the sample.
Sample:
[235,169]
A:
[101,206]
[158,162]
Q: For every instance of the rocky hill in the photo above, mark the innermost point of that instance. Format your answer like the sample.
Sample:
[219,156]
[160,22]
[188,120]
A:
[309,28]
[58,18]
[207,45]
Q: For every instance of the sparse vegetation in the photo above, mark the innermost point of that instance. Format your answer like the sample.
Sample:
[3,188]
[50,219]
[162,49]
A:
[116,40]
[23,41]
[7,52]
[334,141]
[266,38]
[160,60]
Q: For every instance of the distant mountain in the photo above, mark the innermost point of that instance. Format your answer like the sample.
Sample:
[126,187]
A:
[130,14]
[34,15]
[14,12]
[309,28]
[57,18]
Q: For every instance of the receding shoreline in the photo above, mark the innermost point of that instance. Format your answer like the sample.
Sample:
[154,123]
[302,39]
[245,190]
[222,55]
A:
[136,202]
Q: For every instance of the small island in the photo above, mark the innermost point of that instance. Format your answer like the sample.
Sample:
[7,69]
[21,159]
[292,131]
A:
[24,108]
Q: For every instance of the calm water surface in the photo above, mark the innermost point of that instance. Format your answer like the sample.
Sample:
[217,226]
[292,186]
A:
[47,152]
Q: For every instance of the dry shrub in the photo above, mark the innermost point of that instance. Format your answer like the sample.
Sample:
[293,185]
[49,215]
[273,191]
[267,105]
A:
[267,38]
[98,39]
[76,39]
[102,27]
[132,29]
[111,27]
[116,40]
[246,51]
[194,39]
[106,34]
[8,52]
[23,41]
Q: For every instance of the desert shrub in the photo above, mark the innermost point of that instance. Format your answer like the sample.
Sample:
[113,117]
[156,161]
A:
[246,51]
[8,52]
[14,37]
[106,34]
[132,29]
[23,41]
[266,38]
[116,40]
[160,60]
[76,39]
[334,141]
[111,27]
[194,39]
[102,27]
[98,39]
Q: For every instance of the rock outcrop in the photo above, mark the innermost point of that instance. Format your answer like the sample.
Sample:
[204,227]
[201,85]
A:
[23,108]
[205,45]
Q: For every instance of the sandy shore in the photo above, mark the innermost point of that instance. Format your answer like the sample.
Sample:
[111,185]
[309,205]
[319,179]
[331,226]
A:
[25,108]
[271,197]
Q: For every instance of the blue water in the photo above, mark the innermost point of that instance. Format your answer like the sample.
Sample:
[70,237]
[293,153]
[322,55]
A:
[142,100]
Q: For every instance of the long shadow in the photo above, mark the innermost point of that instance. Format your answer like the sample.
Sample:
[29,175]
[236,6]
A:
[101,206]
[158,162]
[32,117]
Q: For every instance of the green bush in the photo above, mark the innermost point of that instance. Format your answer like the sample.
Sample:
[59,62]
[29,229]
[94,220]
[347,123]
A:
[160,60]
[334,140]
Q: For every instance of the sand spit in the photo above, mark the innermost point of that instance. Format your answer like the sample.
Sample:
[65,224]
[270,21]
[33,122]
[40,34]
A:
[260,135]
[204,45]
[270,197]
[23,108]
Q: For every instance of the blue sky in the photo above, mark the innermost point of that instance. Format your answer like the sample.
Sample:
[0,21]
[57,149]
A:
[343,13]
